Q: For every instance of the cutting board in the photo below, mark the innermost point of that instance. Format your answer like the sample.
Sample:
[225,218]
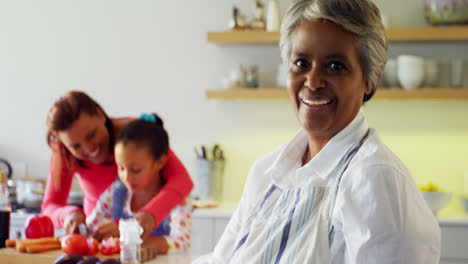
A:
[9,255]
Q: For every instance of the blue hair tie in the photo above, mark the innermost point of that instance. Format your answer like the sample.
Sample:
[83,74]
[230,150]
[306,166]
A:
[148,118]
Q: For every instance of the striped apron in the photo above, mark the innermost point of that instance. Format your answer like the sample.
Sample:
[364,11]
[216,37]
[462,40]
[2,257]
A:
[291,225]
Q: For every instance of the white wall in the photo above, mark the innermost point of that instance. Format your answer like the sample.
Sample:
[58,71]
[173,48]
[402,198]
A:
[152,56]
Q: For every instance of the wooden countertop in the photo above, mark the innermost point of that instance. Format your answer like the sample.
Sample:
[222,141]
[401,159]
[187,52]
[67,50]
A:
[9,255]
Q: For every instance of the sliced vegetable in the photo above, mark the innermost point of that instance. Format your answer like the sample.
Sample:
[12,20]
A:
[75,243]
[110,246]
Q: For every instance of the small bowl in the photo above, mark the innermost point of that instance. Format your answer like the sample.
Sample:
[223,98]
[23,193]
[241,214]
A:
[446,12]
[436,200]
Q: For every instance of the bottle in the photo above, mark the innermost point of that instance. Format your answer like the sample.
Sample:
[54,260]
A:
[5,209]
[252,77]
[130,241]
[273,16]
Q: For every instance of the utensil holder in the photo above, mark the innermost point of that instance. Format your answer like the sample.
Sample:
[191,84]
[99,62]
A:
[209,179]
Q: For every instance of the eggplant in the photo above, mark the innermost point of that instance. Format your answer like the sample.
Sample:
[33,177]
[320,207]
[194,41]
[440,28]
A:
[68,259]
[109,261]
[89,260]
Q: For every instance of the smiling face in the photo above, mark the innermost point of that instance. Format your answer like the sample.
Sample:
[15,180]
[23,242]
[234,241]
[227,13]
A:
[325,78]
[87,138]
[137,168]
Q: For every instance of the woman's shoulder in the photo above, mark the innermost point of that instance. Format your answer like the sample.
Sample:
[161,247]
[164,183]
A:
[119,123]
[375,153]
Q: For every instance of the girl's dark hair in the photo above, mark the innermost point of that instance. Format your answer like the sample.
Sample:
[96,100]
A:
[146,133]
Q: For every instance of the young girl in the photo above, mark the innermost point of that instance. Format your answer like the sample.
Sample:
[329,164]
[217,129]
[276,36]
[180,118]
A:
[140,153]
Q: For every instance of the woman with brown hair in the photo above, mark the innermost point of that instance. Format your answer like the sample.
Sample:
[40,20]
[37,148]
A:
[82,137]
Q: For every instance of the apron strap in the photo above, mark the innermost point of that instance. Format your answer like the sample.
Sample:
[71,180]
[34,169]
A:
[342,166]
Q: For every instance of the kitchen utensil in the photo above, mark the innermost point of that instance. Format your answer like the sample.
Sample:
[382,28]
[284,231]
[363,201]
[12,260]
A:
[203,152]
[443,12]
[209,179]
[436,200]
[5,166]
[217,153]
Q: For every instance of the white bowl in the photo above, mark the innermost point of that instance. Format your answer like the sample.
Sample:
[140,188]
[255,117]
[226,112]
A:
[437,200]
[410,71]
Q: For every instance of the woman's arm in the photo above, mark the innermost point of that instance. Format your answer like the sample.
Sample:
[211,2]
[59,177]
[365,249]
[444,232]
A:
[54,203]
[177,188]
[384,218]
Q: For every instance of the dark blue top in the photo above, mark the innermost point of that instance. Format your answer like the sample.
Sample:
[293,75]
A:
[118,202]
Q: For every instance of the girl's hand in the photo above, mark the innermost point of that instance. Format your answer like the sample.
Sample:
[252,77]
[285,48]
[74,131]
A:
[106,228]
[73,220]
[146,221]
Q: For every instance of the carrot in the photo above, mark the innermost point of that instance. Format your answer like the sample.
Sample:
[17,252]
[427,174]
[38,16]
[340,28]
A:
[37,248]
[10,243]
[21,245]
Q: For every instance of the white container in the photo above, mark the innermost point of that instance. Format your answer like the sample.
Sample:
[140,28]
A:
[410,71]
[436,200]
[431,73]
[209,179]
[130,241]
[273,16]
[456,72]
[391,73]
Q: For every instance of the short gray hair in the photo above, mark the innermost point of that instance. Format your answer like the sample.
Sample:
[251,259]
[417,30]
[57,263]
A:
[360,17]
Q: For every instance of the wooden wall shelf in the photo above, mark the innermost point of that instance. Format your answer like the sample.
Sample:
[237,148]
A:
[410,34]
[279,94]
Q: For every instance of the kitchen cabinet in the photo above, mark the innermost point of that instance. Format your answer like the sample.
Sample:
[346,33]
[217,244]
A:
[410,34]
[454,243]
[208,225]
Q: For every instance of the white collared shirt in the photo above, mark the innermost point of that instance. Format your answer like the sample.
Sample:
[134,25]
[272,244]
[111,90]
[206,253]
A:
[379,215]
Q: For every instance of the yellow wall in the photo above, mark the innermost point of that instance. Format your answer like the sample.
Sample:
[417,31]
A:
[431,138]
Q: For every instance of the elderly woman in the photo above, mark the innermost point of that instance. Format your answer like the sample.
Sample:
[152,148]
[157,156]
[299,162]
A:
[334,193]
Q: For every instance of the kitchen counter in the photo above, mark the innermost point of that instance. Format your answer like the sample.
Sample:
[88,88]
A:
[9,255]
[225,210]
[461,221]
